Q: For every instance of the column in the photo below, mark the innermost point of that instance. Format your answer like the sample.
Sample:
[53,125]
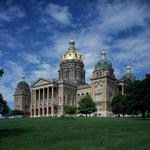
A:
[43,96]
[35,96]
[47,111]
[52,94]
[31,98]
[43,111]
[47,95]
[52,110]
[31,104]
[39,96]
[52,104]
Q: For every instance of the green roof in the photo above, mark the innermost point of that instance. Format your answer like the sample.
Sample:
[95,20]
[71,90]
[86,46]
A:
[103,63]
[128,76]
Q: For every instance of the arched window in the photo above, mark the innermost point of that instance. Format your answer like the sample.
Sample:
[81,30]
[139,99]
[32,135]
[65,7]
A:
[97,74]
[87,93]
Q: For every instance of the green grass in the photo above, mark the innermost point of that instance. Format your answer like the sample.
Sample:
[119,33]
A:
[75,134]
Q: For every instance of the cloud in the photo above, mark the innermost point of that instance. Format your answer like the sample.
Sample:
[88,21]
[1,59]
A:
[30,58]
[9,41]
[13,73]
[121,15]
[122,27]
[11,13]
[46,71]
[60,14]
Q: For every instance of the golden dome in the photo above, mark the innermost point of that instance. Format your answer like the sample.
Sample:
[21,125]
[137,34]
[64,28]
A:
[72,53]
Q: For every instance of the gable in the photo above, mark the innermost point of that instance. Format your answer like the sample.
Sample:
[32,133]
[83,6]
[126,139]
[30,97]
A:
[40,82]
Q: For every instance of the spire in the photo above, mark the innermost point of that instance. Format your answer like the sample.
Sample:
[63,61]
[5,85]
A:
[103,54]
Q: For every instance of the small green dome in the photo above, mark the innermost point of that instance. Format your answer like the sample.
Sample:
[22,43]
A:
[129,75]
[23,85]
[104,63]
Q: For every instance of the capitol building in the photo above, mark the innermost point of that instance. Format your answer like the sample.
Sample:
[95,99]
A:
[49,97]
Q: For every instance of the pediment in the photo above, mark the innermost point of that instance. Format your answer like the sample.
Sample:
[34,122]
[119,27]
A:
[40,82]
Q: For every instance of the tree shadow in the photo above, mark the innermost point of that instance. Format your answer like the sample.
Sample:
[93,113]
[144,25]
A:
[7,132]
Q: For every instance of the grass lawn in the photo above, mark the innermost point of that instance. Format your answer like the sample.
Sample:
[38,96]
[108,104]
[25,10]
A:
[75,134]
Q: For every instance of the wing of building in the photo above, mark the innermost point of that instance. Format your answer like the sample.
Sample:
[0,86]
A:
[49,97]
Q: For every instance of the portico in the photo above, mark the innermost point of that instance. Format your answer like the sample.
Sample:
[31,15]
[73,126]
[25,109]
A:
[44,99]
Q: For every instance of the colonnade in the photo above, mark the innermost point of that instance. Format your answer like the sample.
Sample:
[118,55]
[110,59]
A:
[44,101]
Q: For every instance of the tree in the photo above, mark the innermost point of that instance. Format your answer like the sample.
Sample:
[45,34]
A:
[138,94]
[118,105]
[86,105]
[70,110]
[121,105]
[4,109]
[137,98]
[147,90]
[1,72]
[16,112]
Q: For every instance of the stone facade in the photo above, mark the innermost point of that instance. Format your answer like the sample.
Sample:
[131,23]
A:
[71,66]
[22,97]
[48,98]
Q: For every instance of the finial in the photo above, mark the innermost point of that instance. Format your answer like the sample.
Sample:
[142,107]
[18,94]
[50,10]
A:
[103,54]
[103,51]
[23,77]
[128,69]
[72,44]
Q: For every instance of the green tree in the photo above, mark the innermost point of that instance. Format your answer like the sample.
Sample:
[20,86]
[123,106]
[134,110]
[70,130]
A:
[121,105]
[4,109]
[147,90]
[138,94]
[16,112]
[118,104]
[86,105]
[1,72]
[70,110]
[137,98]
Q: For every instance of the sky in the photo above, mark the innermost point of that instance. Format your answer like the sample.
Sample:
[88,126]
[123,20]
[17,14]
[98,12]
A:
[35,33]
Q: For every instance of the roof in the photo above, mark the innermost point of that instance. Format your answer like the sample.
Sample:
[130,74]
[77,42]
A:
[72,53]
[103,63]
[22,85]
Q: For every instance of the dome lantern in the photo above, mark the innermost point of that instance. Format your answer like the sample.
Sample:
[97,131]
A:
[72,44]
